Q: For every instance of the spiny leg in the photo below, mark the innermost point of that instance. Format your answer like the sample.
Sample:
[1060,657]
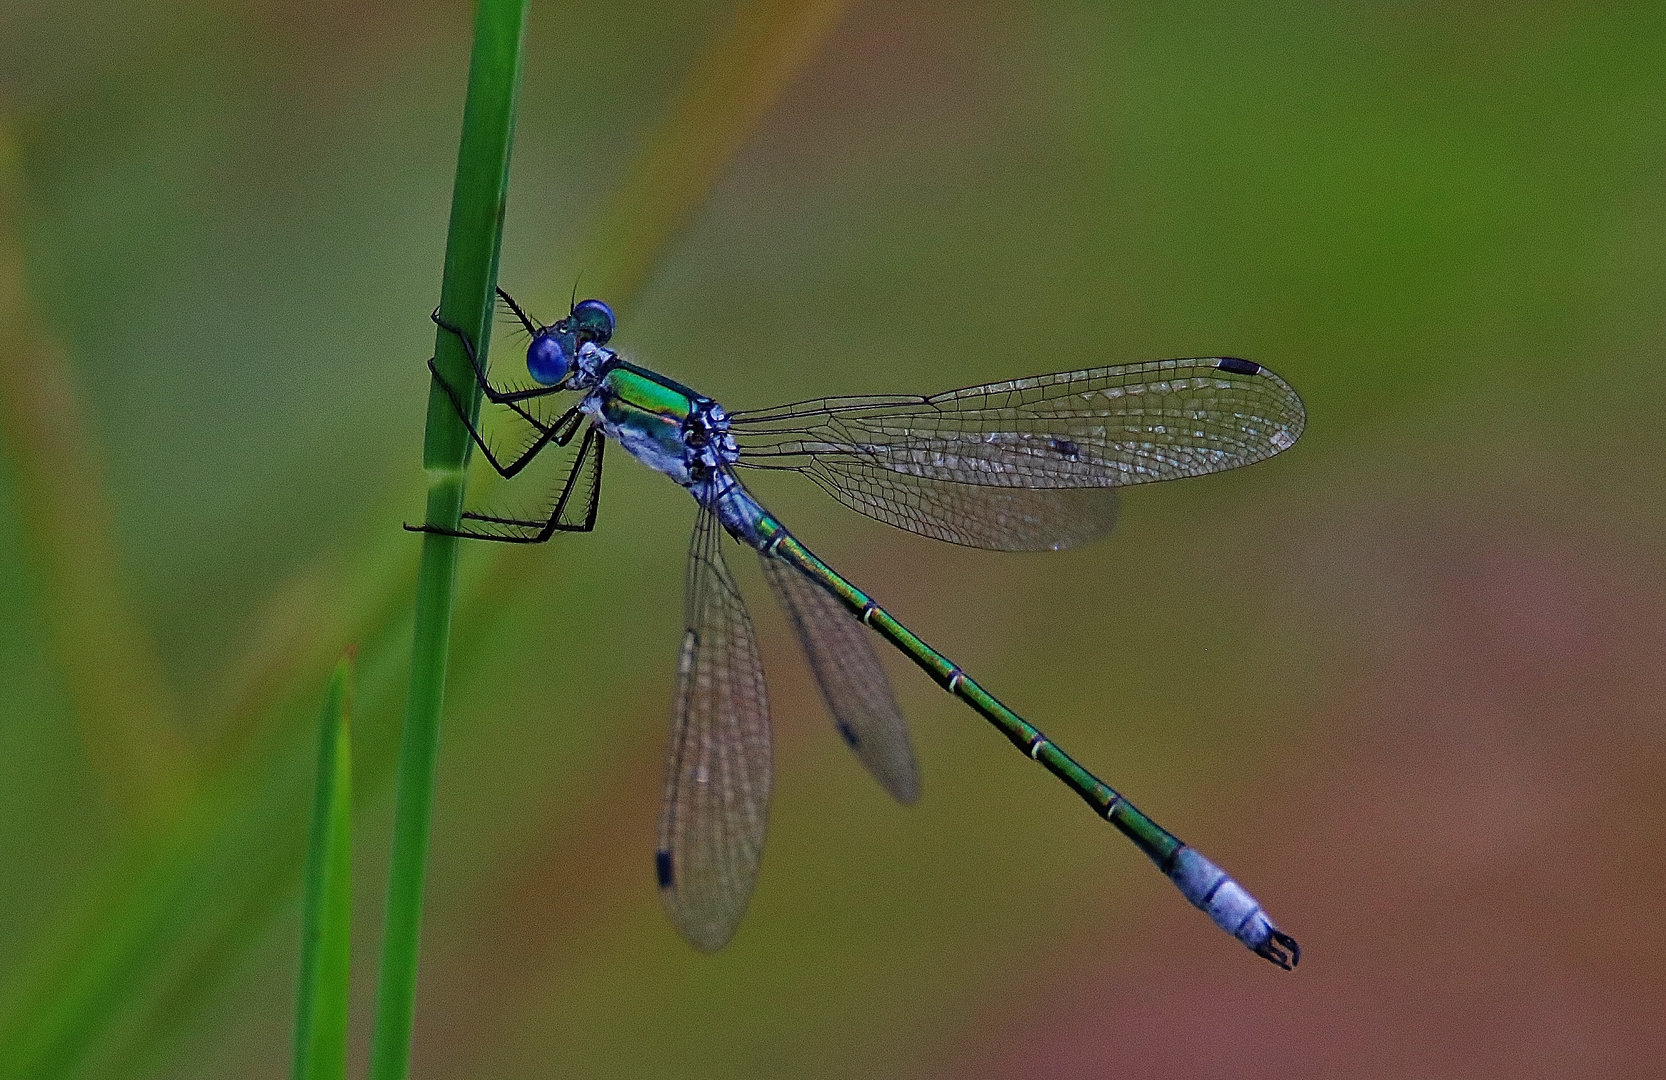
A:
[531,327]
[560,432]
[492,393]
[590,452]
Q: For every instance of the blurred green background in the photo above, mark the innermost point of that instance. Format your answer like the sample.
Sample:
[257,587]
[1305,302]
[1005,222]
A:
[1405,680]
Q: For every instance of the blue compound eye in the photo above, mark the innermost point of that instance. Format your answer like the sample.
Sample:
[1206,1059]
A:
[592,320]
[548,358]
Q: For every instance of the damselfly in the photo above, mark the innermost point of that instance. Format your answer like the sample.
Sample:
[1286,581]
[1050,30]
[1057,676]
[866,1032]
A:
[1021,465]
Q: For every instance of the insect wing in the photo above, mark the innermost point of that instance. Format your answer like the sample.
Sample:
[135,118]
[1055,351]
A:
[717,768]
[1001,518]
[852,681]
[1099,427]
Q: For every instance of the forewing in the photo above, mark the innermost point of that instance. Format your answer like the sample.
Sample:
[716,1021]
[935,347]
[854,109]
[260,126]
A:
[717,768]
[1099,427]
[852,681]
[1002,518]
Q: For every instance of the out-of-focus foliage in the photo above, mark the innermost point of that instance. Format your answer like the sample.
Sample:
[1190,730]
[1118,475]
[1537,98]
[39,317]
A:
[1405,680]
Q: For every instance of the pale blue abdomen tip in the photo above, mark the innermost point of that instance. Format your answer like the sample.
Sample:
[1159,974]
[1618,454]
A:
[1212,890]
[1224,900]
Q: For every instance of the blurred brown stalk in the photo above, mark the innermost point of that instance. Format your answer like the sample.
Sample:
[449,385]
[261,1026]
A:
[111,669]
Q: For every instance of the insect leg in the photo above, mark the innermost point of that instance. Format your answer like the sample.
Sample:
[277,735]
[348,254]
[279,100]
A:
[560,432]
[587,467]
[493,394]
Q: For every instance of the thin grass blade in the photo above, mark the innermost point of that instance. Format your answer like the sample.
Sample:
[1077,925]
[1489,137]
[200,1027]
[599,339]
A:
[467,295]
[327,905]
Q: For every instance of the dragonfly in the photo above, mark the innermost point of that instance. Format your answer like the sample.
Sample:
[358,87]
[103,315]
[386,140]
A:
[1019,465]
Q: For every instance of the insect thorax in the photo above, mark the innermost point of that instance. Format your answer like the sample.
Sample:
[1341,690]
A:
[711,448]
[662,423]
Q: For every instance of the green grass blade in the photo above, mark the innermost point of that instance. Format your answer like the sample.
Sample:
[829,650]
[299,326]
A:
[122,968]
[327,907]
[466,301]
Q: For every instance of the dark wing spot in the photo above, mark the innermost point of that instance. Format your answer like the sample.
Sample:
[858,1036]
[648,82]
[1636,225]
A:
[1237,366]
[1066,448]
[662,868]
[849,734]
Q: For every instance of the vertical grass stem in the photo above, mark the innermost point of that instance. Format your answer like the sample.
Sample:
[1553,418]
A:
[466,296]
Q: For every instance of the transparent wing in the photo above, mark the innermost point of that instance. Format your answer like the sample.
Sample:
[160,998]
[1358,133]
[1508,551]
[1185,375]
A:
[1002,518]
[852,681]
[1100,427]
[717,767]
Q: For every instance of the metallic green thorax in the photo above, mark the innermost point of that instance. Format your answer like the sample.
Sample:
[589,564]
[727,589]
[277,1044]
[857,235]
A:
[647,413]
[1151,838]
[648,391]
